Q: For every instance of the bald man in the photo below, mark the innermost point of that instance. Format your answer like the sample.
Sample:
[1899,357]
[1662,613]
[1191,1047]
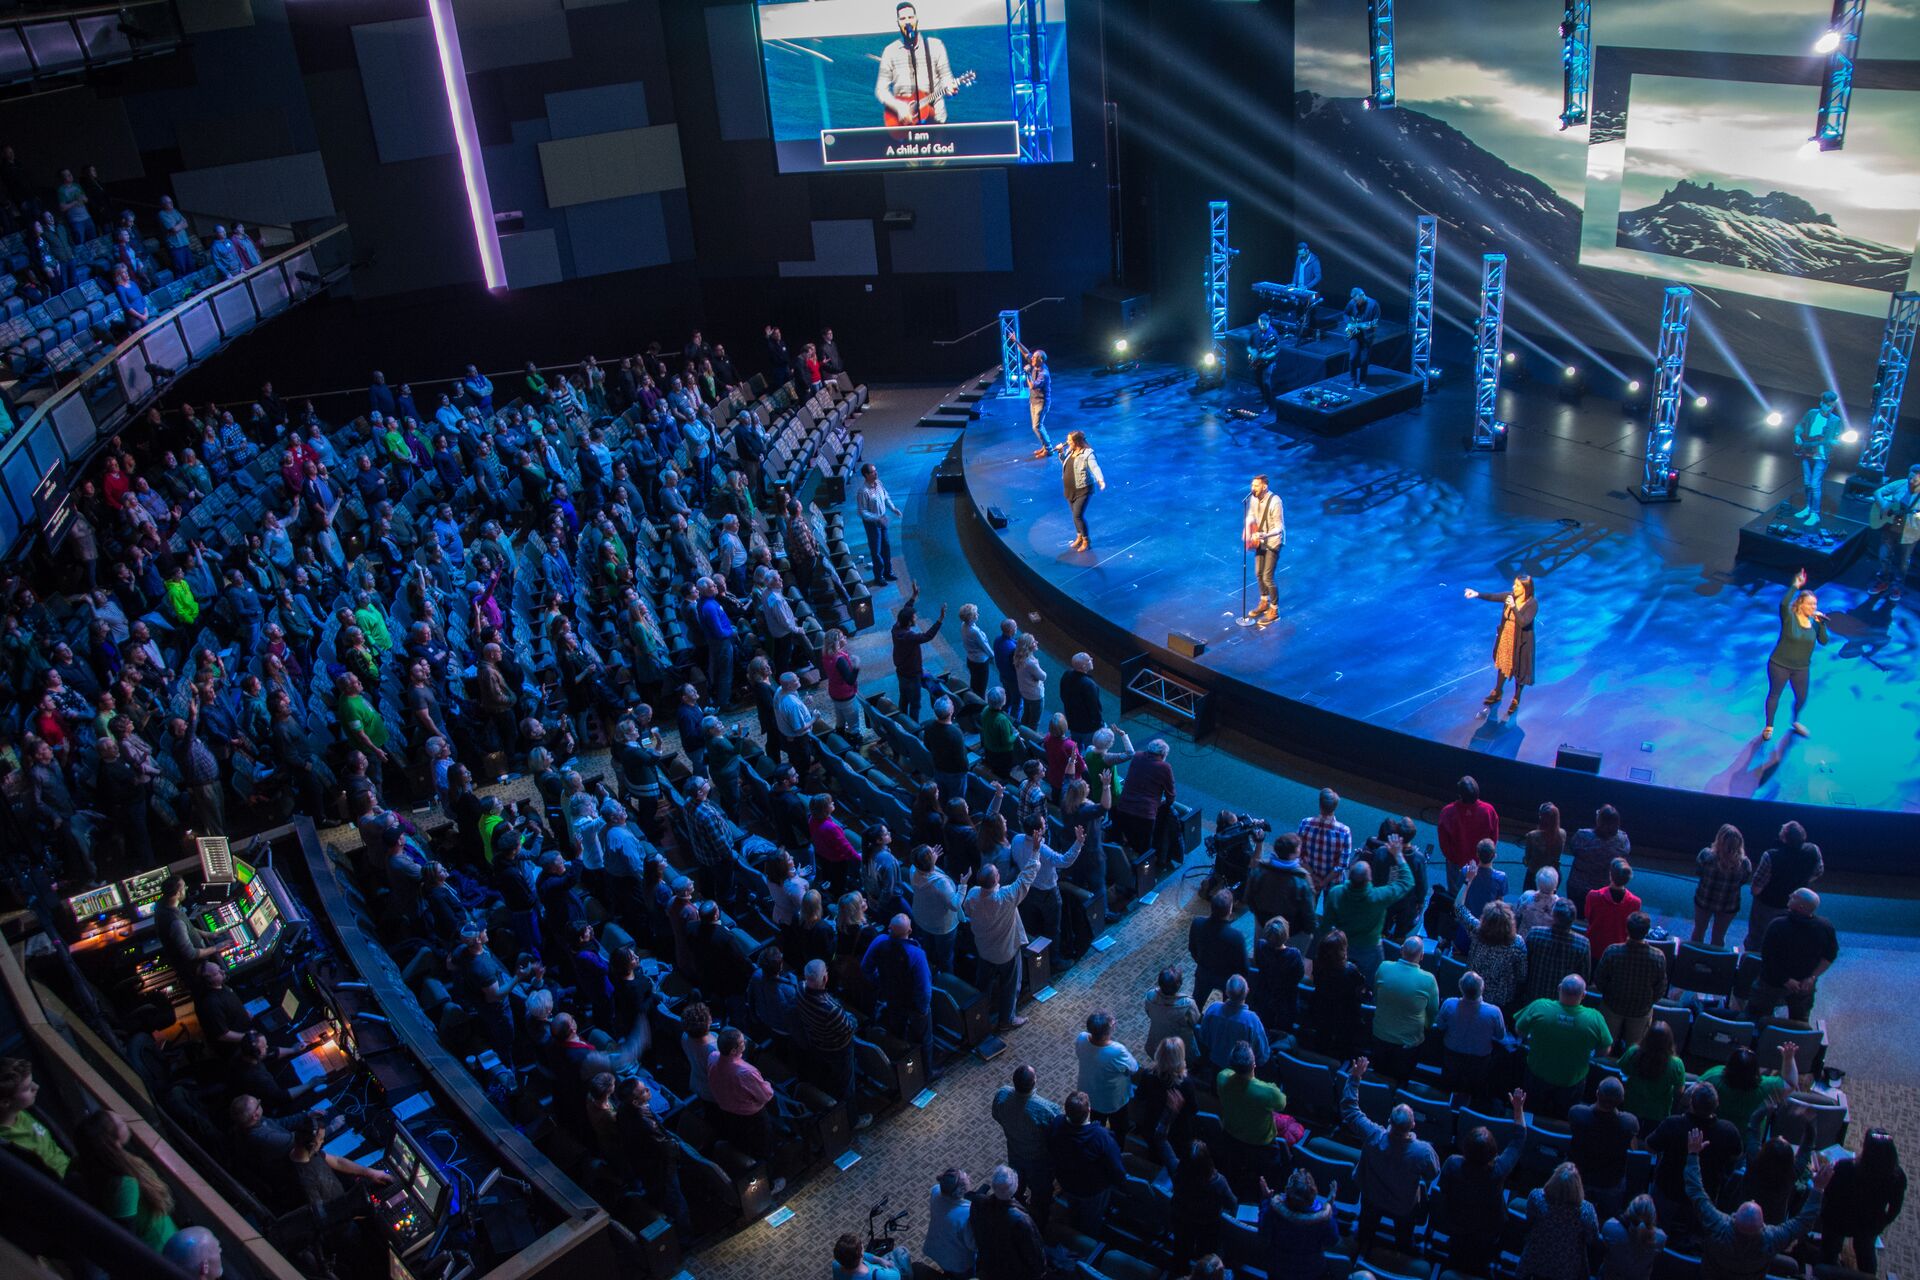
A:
[902,980]
[196,1251]
[1740,1245]
[1795,950]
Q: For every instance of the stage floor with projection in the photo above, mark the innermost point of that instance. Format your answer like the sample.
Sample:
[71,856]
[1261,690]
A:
[1652,641]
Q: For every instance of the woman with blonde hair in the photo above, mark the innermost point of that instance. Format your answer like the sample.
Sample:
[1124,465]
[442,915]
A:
[121,1184]
[1079,477]
[1724,871]
[1561,1229]
[842,669]
[1032,678]
[1495,950]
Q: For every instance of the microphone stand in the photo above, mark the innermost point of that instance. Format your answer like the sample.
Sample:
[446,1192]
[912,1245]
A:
[1244,619]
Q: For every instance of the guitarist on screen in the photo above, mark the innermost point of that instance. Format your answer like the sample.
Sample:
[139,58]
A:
[915,77]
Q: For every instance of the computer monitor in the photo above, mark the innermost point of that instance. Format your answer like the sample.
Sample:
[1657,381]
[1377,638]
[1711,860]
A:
[145,887]
[414,1164]
[264,915]
[243,872]
[96,902]
[216,859]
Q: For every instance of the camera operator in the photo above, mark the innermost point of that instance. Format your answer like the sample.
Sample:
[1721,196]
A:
[1235,846]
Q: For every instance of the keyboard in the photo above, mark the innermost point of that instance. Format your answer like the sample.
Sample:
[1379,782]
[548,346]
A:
[1285,293]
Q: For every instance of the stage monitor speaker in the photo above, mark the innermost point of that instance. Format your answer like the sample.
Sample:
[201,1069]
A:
[996,518]
[1111,311]
[1579,759]
[1185,645]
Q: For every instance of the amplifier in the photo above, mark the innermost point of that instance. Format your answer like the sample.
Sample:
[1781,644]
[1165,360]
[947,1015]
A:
[1579,759]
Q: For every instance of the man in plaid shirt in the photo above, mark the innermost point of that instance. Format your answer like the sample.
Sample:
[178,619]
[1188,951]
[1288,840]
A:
[712,840]
[1326,845]
[1554,952]
[1631,976]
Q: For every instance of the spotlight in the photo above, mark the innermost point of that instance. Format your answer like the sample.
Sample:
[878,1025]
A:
[1120,346]
[1511,357]
[1827,43]
[1209,360]
[1699,402]
[1775,418]
[1570,372]
[1634,386]
[1212,371]
[1849,436]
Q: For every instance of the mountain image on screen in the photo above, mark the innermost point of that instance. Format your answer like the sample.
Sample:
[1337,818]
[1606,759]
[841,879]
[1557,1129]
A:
[1423,165]
[1777,232]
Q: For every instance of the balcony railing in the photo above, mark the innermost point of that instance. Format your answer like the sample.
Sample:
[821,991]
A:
[42,457]
[41,47]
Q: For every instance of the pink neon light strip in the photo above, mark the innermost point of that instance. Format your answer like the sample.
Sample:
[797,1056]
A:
[466,135]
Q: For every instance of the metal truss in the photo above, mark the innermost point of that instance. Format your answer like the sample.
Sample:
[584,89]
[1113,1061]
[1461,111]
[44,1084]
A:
[1658,481]
[1013,358]
[1489,433]
[1027,67]
[1890,379]
[1425,246]
[1576,61]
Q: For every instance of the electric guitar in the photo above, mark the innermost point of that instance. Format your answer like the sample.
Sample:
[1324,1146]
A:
[920,106]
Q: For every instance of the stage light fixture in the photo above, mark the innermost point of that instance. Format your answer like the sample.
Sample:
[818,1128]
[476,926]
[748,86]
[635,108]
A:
[1634,386]
[1120,346]
[1775,418]
[1827,43]
[1699,402]
[1209,360]
[1850,436]
[1840,45]
[1570,372]
[1510,357]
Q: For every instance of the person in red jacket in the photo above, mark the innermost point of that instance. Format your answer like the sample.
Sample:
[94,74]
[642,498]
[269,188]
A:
[835,856]
[1608,908]
[1463,825]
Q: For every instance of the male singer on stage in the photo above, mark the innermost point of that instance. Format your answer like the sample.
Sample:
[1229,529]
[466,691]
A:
[914,71]
[1264,532]
[1262,348]
[1306,275]
[1363,320]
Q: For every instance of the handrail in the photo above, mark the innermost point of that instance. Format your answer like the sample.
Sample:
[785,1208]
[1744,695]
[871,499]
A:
[194,1190]
[65,428]
[991,324]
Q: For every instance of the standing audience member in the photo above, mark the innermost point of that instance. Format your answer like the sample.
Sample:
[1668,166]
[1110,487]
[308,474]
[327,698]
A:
[1603,1131]
[1594,850]
[1561,1229]
[1219,950]
[1862,1201]
[1395,1165]
[1562,1036]
[1740,1245]
[1794,951]
[1028,1120]
[1007,1243]
[1406,1000]
[1631,975]
[1792,864]
[1724,871]
[1086,1162]
[1464,823]
[1106,1072]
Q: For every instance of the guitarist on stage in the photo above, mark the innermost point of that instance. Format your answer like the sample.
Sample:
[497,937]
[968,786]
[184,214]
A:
[1363,321]
[1896,514]
[915,77]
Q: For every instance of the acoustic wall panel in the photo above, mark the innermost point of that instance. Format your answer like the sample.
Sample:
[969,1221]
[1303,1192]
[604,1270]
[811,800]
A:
[618,235]
[734,50]
[511,33]
[606,166]
[841,247]
[532,258]
[406,100]
[960,221]
[281,190]
[604,108]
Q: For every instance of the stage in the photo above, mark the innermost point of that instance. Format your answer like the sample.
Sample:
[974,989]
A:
[1652,640]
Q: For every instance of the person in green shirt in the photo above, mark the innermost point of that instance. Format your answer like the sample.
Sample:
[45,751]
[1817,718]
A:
[1744,1090]
[1358,907]
[999,735]
[19,1129]
[372,623]
[361,722]
[180,602]
[1247,1107]
[1562,1036]
[1655,1075]
[121,1184]
[1406,1000]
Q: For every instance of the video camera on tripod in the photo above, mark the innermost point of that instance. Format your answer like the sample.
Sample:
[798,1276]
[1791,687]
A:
[1235,844]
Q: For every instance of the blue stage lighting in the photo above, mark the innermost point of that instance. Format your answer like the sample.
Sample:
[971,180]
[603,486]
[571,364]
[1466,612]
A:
[1380,52]
[1576,61]
[1489,433]
[1841,45]
[1658,481]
